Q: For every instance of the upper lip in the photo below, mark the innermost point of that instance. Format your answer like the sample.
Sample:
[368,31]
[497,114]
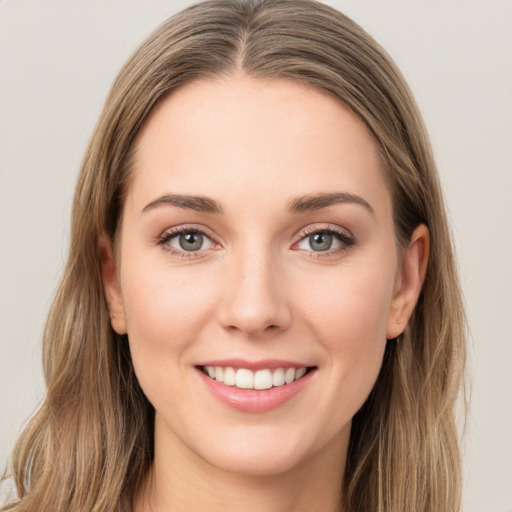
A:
[255,365]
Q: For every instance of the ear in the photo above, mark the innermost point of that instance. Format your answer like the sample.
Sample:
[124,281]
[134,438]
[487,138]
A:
[409,282]
[111,286]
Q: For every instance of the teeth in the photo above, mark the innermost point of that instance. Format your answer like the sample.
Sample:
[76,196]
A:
[278,377]
[261,379]
[300,372]
[289,375]
[244,379]
[229,376]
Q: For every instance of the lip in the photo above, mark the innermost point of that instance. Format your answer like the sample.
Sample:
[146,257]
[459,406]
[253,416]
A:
[251,400]
[261,364]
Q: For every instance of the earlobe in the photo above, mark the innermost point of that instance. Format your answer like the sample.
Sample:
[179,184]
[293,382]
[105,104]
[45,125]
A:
[111,286]
[409,282]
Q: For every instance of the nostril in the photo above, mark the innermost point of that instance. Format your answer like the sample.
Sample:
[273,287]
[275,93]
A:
[253,330]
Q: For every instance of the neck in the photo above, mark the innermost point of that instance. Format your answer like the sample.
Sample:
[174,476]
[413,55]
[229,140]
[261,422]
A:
[181,481]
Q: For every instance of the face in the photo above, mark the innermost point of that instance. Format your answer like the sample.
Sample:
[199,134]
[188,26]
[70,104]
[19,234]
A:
[257,250]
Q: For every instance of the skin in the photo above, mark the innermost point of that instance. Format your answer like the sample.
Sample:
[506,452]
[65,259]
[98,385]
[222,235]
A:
[258,291]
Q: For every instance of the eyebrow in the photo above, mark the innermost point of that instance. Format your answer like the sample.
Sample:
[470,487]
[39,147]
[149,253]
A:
[196,203]
[298,205]
[319,201]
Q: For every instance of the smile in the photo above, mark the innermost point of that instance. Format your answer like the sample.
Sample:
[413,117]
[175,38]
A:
[243,378]
[262,387]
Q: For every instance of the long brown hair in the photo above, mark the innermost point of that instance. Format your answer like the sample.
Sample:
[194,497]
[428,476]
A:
[91,443]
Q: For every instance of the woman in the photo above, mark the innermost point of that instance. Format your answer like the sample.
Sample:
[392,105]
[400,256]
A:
[260,306]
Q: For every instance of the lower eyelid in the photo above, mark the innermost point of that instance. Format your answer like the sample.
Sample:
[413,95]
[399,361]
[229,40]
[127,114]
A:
[184,255]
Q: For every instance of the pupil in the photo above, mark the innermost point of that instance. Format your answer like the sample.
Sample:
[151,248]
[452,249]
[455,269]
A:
[320,241]
[191,241]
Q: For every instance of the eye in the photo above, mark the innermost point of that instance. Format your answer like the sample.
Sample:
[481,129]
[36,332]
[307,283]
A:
[331,240]
[186,240]
[321,241]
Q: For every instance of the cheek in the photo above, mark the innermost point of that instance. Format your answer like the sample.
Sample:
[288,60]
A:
[348,317]
[351,305]
[165,310]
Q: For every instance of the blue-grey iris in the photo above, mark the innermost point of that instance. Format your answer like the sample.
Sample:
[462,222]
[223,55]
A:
[191,241]
[320,241]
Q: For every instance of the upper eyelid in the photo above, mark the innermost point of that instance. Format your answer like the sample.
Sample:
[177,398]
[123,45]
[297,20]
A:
[315,228]
[186,228]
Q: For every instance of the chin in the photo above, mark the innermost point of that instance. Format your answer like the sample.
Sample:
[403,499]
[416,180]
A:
[255,462]
[265,451]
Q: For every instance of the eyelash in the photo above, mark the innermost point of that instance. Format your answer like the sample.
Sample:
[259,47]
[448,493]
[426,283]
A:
[182,230]
[344,237]
[346,240]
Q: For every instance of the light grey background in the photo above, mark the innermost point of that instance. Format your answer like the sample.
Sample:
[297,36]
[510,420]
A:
[57,61]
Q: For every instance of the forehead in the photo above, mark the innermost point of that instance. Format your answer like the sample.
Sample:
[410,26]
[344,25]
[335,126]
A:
[256,139]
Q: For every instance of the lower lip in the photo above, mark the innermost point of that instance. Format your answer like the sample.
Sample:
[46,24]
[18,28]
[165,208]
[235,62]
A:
[252,400]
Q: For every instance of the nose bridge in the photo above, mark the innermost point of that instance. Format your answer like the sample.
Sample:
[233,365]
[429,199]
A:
[253,299]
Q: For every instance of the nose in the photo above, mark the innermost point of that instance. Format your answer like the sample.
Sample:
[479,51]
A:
[254,295]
